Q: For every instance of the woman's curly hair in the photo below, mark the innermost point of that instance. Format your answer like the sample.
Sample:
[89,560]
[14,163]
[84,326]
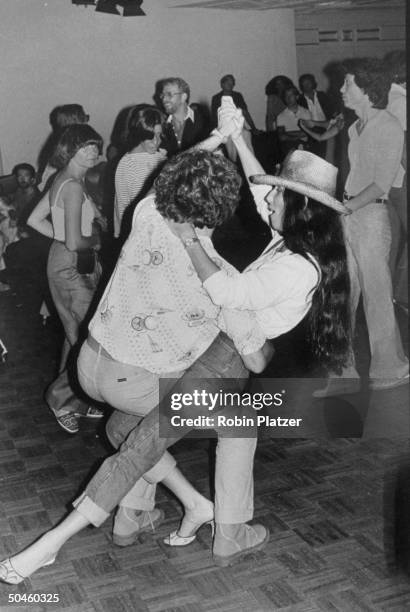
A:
[371,76]
[72,139]
[198,187]
[312,229]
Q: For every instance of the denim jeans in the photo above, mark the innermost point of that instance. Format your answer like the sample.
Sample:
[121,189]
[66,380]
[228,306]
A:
[219,367]
[133,391]
[368,236]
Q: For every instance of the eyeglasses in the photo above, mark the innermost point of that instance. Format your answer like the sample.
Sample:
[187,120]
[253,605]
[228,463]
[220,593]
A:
[167,95]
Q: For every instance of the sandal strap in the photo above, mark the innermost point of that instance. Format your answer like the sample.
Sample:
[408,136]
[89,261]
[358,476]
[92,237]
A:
[11,575]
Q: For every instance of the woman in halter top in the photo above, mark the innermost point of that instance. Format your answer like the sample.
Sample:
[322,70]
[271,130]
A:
[72,226]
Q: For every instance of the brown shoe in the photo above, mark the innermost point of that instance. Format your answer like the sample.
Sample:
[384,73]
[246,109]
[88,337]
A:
[227,550]
[128,525]
[68,422]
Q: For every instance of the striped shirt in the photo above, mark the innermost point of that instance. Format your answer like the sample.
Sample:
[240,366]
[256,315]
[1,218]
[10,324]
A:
[132,173]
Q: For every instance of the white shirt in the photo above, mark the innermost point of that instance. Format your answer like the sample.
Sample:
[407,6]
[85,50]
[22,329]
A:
[154,313]
[278,286]
[289,119]
[189,115]
[374,154]
[314,108]
[131,175]
[397,106]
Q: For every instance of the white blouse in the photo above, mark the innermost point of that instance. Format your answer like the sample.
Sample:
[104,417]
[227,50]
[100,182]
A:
[278,286]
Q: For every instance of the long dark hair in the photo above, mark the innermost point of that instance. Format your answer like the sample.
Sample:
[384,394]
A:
[314,230]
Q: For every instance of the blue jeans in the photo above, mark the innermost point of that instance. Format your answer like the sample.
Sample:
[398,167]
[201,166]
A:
[134,392]
[144,447]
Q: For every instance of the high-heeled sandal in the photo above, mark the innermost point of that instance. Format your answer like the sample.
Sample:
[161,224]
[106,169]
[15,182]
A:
[195,522]
[10,575]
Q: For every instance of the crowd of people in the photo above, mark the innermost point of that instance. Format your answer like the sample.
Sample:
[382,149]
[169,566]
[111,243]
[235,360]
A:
[172,308]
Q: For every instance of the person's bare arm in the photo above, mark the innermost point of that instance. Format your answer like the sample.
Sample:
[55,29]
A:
[366,196]
[38,218]
[334,127]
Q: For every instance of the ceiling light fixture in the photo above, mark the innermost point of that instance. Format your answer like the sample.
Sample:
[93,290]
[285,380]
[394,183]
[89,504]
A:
[132,8]
[83,2]
[107,6]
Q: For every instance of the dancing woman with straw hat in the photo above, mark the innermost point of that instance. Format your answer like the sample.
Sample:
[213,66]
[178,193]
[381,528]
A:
[302,272]
[303,269]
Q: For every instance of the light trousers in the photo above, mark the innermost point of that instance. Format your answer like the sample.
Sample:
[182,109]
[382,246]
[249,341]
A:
[72,295]
[399,255]
[368,238]
[141,453]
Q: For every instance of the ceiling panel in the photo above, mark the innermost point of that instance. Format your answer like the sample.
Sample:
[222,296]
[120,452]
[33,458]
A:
[299,5]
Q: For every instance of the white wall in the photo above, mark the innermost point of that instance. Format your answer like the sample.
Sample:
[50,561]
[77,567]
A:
[56,53]
[312,56]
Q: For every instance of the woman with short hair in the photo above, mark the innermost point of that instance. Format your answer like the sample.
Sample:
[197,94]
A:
[75,238]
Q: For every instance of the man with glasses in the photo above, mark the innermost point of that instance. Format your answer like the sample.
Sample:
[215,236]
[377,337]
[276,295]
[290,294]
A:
[185,125]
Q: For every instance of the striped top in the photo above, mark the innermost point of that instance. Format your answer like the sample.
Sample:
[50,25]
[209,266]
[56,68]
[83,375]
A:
[132,173]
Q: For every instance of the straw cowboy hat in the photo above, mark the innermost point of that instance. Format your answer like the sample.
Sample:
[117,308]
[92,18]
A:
[309,175]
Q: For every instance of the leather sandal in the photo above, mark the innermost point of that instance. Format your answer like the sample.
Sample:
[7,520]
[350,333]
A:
[192,524]
[10,575]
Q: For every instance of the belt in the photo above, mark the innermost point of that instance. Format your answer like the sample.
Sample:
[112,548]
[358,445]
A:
[347,197]
[98,348]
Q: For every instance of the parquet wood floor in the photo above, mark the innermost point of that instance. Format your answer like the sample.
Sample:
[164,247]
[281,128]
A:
[338,511]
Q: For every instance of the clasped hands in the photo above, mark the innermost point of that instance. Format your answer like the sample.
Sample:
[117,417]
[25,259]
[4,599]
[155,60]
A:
[230,122]
[338,121]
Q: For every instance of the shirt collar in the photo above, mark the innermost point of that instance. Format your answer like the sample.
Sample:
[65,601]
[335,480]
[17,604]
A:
[189,115]
[398,88]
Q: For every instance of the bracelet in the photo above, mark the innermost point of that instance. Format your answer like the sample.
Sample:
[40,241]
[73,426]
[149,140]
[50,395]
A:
[216,132]
[188,242]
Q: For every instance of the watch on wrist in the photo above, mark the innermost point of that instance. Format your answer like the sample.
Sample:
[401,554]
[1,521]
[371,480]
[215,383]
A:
[188,242]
